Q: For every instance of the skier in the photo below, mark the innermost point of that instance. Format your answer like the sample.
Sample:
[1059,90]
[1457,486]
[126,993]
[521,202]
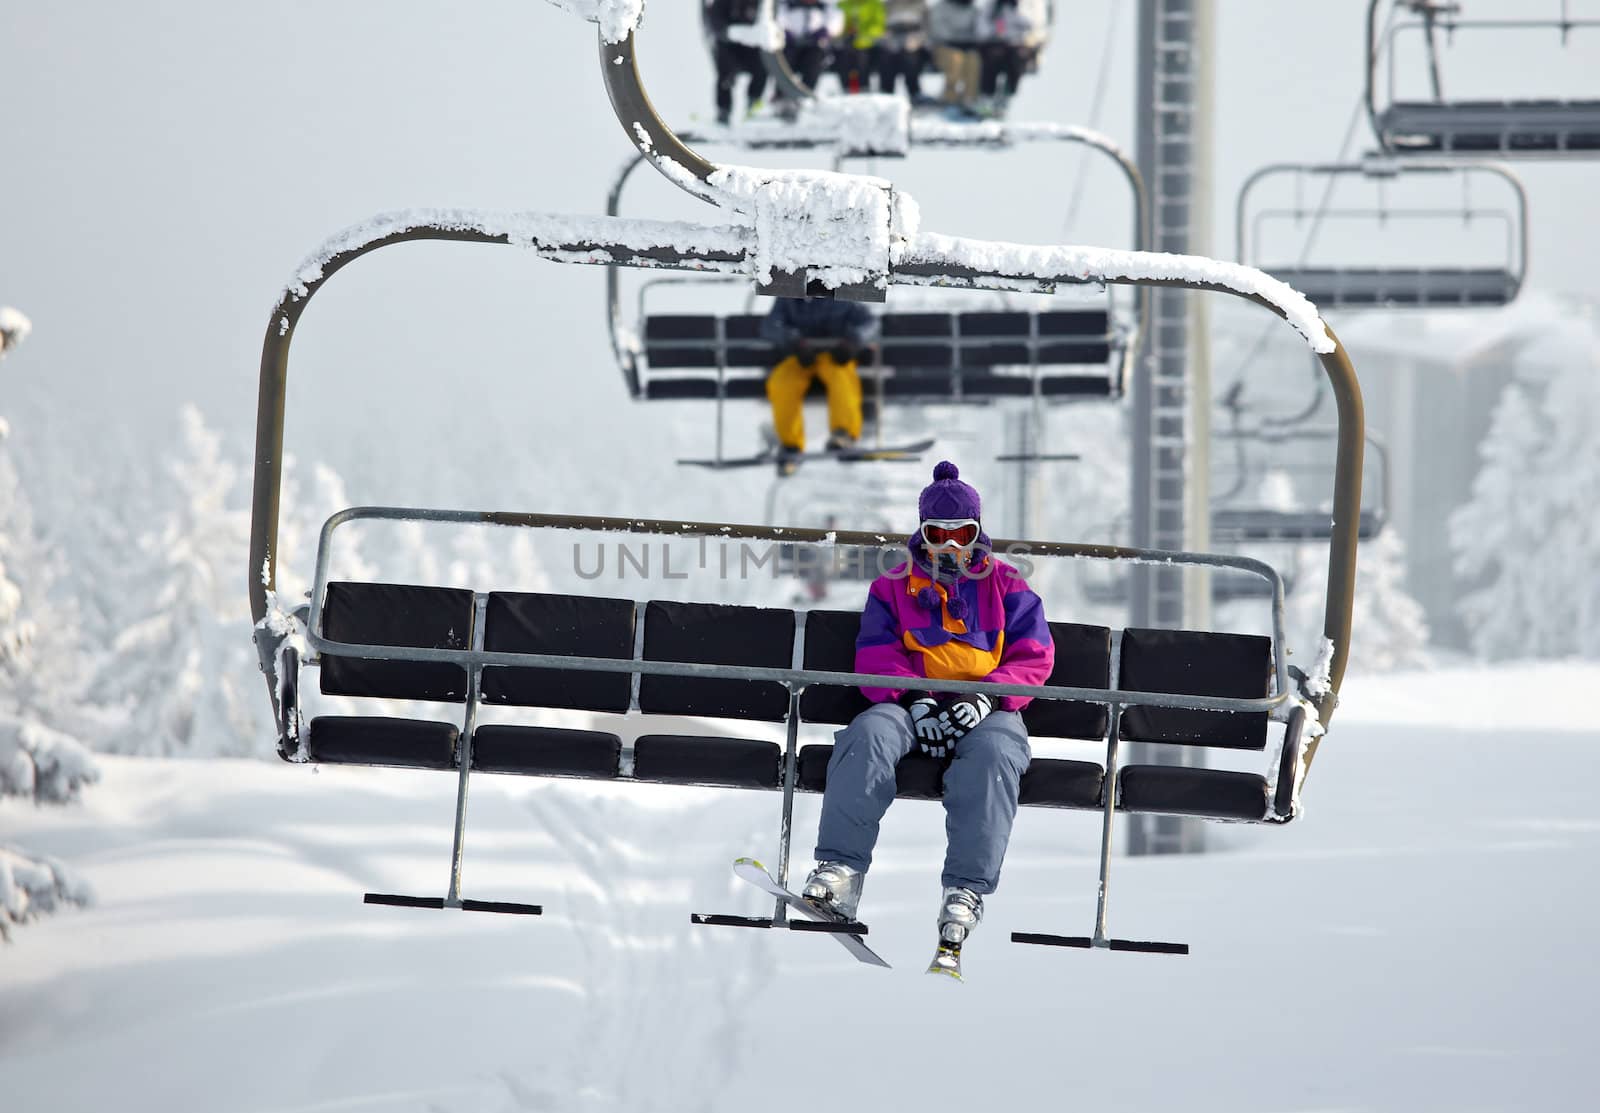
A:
[1016,32]
[815,337]
[903,48]
[953,27]
[855,54]
[953,611]
[810,28]
[733,58]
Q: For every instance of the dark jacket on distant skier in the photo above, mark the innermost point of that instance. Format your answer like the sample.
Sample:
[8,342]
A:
[722,14]
[793,319]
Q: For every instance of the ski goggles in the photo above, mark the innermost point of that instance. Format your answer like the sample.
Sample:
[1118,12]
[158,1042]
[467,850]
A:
[960,532]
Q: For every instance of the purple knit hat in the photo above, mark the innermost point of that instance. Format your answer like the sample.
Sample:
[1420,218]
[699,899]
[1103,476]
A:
[947,496]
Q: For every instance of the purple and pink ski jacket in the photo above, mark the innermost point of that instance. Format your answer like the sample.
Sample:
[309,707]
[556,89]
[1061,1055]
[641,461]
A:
[1001,634]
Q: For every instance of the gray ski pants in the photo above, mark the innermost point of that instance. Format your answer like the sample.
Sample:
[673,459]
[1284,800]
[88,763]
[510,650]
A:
[980,792]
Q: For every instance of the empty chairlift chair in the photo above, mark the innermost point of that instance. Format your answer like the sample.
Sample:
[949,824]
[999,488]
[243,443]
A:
[1506,128]
[1407,207]
[1235,520]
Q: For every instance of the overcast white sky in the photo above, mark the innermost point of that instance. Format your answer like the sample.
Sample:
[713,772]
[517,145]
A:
[166,166]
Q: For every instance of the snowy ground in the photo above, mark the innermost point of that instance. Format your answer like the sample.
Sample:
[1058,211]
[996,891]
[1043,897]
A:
[1423,940]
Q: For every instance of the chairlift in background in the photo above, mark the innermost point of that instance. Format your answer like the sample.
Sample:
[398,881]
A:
[472,646]
[768,38]
[1508,128]
[1240,514]
[1409,226]
[921,357]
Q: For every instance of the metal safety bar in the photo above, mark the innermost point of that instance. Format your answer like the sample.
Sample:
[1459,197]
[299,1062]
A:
[795,678]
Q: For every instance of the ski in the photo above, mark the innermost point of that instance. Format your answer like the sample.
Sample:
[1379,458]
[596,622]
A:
[756,874]
[947,960]
[859,454]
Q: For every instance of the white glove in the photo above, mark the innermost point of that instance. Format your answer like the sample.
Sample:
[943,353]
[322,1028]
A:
[930,727]
[965,712]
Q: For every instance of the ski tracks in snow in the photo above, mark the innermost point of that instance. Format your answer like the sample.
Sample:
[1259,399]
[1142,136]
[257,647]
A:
[664,1022]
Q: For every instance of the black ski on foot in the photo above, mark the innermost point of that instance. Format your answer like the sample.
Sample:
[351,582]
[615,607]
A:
[754,872]
[856,454]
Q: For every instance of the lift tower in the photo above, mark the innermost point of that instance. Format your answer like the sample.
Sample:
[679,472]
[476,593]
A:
[1171,392]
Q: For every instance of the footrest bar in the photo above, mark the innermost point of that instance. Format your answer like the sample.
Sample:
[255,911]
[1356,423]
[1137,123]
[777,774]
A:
[848,927]
[502,906]
[718,920]
[395,900]
[398,901]
[1087,943]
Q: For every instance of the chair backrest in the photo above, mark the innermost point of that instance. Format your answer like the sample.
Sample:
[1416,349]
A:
[717,634]
[907,341]
[1083,660]
[1194,663]
[396,615]
[831,647]
[574,625]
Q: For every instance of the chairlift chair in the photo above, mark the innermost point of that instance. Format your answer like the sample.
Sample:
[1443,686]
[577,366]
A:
[1389,286]
[766,36]
[466,647]
[975,357]
[1509,128]
[1234,520]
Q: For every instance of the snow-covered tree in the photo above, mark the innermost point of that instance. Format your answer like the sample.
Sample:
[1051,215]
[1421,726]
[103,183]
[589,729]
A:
[180,659]
[303,515]
[41,692]
[1388,629]
[1529,539]
[14,328]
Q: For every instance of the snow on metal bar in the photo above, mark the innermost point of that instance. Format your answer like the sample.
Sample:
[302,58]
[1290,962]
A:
[1095,264]
[577,238]
[837,226]
[933,131]
[617,18]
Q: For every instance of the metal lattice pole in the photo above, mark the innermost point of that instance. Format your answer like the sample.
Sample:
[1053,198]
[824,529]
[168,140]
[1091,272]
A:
[1171,389]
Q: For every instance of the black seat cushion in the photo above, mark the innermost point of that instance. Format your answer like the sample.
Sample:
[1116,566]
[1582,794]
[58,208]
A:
[680,326]
[1196,663]
[571,625]
[1083,660]
[696,760]
[831,646]
[1180,790]
[545,751]
[398,615]
[718,634]
[1060,783]
[376,740]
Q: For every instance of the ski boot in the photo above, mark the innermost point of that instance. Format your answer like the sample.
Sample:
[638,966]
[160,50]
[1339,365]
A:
[960,912]
[834,888]
[840,441]
[788,461]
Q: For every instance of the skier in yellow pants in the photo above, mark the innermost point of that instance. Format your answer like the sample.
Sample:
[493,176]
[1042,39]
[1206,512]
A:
[815,338]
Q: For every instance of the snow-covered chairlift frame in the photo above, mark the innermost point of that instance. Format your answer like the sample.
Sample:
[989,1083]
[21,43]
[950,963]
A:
[1523,129]
[1391,287]
[1307,703]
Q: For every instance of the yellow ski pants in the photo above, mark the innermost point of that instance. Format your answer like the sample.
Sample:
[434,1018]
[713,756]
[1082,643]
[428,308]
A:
[786,390]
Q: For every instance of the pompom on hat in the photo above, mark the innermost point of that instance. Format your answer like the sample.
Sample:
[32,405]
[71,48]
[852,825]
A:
[948,497]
